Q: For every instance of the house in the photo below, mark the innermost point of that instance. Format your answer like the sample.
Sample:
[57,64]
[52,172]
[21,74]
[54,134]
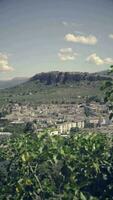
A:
[94,121]
[105,121]
[5,134]
[66,127]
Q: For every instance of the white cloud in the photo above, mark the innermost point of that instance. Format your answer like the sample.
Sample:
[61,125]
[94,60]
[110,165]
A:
[111,36]
[4,64]
[93,58]
[108,60]
[67,54]
[91,39]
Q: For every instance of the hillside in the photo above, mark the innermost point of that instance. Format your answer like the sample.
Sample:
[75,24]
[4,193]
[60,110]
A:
[55,87]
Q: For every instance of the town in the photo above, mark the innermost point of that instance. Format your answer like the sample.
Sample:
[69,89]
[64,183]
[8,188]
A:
[57,118]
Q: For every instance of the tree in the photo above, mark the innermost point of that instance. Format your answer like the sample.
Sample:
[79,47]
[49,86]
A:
[30,127]
[108,92]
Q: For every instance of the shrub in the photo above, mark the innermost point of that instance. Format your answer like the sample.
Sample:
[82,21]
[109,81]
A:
[52,167]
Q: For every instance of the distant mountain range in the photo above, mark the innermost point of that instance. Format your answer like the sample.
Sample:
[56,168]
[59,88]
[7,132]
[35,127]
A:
[13,82]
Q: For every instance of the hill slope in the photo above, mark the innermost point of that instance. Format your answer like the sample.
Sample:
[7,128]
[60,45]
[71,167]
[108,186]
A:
[55,87]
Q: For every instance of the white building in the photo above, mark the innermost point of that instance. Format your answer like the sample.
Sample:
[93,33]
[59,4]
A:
[66,127]
[5,133]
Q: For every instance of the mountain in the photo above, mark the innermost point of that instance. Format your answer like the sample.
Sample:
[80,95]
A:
[55,87]
[13,82]
[67,77]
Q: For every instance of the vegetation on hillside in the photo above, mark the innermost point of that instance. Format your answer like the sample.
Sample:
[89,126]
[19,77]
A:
[36,93]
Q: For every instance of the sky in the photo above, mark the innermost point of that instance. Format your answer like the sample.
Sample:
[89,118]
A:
[55,35]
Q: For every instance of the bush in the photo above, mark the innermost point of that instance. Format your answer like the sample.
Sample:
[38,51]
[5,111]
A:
[56,168]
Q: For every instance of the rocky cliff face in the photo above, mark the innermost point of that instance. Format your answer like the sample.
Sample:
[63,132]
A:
[66,77]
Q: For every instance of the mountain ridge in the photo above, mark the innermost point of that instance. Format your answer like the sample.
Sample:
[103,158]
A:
[58,77]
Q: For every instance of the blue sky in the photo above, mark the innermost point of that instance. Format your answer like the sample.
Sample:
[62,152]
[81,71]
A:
[50,35]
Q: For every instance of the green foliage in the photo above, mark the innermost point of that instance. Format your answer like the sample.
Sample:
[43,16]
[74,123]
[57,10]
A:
[108,93]
[42,167]
[74,130]
[30,127]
